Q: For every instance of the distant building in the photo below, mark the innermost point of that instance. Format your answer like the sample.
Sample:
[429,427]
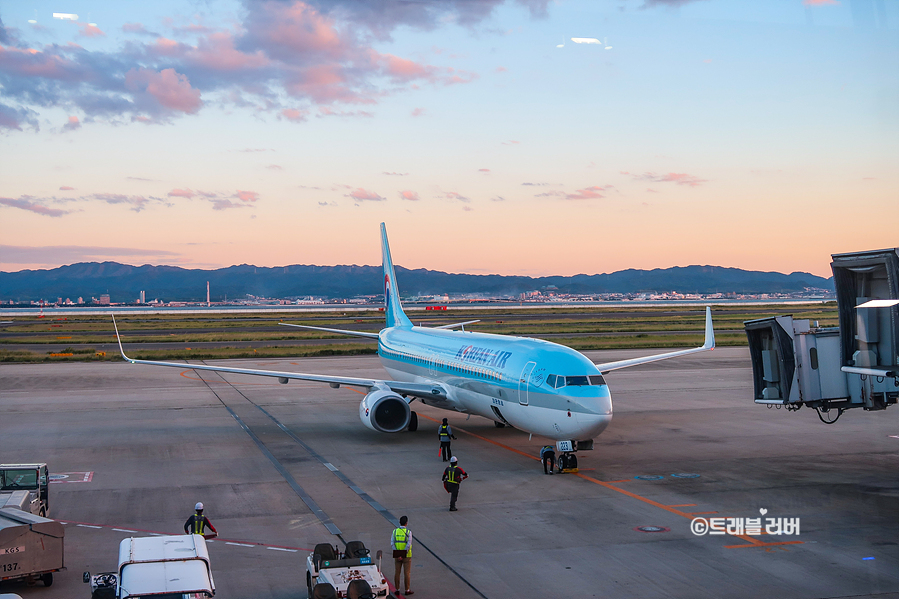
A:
[104,299]
[143,297]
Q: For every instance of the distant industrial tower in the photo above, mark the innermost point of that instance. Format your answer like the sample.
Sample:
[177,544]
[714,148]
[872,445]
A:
[143,297]
[207,294]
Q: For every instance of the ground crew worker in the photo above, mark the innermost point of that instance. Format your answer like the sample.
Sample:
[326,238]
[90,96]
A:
[548,457]
[445,433]
[197,524]
[401,541]
[452,478]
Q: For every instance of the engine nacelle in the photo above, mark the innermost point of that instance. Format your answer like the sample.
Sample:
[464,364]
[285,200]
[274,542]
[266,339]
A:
[384,411]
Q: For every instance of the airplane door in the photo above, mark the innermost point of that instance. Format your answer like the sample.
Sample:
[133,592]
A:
[523,382]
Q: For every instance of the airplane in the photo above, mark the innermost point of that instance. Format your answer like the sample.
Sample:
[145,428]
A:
[535,386]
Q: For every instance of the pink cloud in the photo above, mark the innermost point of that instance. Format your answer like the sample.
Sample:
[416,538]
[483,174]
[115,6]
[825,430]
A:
[89,30]
[28,203]
[275,167]
[467,208]
[452,195]
[651,190]
[181,193]
[66,188]
[247,196]
[361,195]
[483,170]
[588,193]
[403,69]
[501,69]
[511,142]
[418,112]
[170,88]
[820,2]
[678,178]
[395,174]
[292,114]
[72,124]
[217,52]
[412,196]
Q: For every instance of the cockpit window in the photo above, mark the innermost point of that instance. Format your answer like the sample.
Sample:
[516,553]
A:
[558,381]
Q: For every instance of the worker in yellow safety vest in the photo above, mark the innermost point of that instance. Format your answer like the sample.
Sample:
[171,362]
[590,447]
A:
[452,478]
[197,524]
[401,541]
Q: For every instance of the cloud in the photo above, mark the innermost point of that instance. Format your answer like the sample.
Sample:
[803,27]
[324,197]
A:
[139,29]
[501,69]
[275,167]
[527,183]
[282,55]
[418,112]
[679,178]
[498,199]
[395,174]
[820,3]
[363,195]
[181,193]
[66,188]
[247,196]
[667,3]
[136,202]
[452,195]
[483,170]
[467,208]
[73,124]
[89,30]
[551,194]
[226,204]
[30,204]
[511,142]
[651,190]
[170,88]
[292,114]
[412,196]
[588,193]
[52,254]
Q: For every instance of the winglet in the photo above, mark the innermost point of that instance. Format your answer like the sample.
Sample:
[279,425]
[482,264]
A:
[709,330]
[119,339]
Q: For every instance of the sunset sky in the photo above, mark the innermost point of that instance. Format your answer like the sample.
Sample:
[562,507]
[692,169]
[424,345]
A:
[761,135]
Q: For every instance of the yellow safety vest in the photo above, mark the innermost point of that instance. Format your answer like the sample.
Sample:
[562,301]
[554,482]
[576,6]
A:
[400,538]
[199,524]
[451,474]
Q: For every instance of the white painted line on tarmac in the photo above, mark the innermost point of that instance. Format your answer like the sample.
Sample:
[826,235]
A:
[124,530]
[238,544]
[281,549]
[89,526]
[330,467]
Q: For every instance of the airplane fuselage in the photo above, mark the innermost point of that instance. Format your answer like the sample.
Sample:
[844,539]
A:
[534,385]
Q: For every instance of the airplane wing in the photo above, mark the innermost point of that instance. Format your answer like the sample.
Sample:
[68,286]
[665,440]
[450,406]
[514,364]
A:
[457,324]
[339,331]
[403,388]
[708,345]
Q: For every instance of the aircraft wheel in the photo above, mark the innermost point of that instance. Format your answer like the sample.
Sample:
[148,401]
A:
[413,422]
[499,424]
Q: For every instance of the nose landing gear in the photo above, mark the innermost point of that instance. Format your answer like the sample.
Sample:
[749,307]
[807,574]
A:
[567,463]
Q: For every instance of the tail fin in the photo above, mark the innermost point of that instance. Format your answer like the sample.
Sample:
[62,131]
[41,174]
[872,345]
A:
[393,309]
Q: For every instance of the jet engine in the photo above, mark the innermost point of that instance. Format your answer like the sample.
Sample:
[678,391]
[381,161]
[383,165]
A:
[384,411]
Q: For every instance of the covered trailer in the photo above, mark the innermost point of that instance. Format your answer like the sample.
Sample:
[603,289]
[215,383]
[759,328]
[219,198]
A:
[30,546]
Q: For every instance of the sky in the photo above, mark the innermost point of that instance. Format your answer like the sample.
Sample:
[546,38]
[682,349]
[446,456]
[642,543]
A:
[529,137]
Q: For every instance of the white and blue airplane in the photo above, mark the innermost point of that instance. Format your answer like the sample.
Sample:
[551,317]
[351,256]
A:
[536,386]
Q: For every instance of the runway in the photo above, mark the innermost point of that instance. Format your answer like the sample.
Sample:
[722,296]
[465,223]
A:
[283,467]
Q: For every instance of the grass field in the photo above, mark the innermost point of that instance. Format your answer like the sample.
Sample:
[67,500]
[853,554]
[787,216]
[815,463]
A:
[76,338]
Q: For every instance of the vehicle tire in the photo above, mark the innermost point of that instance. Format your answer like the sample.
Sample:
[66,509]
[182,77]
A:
[47,579]
[499,424]
[413,422]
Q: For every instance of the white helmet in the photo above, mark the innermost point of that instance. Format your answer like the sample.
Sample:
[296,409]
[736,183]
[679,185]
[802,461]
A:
[199,506]
[453,460]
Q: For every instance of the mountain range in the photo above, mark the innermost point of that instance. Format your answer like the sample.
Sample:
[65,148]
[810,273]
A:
[171,283]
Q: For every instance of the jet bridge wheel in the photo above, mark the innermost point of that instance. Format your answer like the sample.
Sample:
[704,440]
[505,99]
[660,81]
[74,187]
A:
[413,422]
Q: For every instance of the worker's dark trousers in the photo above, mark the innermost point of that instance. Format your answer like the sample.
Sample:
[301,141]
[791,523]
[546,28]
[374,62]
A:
[548,459]
[445,450]
[454,493]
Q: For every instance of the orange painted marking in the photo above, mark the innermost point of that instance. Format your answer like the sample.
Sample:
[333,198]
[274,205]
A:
[462,430]
[683,505]
[700,513]
[626,480]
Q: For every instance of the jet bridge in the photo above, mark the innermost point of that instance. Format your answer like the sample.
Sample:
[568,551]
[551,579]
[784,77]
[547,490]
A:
[832,369]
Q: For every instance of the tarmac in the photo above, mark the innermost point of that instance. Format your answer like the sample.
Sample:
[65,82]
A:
[283,467]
